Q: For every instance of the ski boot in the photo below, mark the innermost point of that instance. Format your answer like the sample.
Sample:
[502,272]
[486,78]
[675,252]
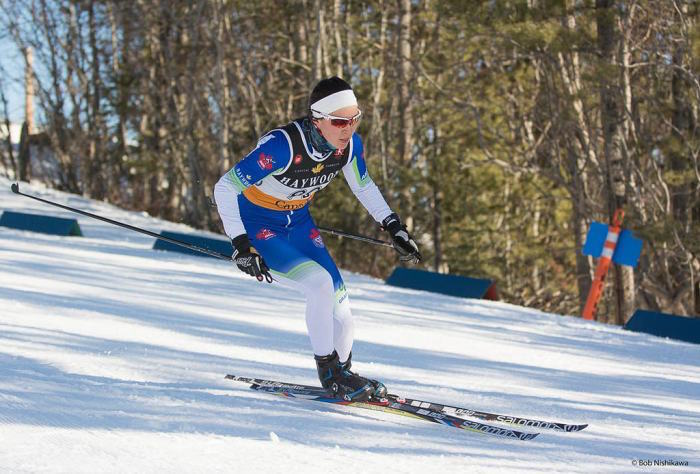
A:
[378,389]
[343,383]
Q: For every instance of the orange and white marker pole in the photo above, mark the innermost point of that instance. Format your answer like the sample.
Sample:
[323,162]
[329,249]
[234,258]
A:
[603,265]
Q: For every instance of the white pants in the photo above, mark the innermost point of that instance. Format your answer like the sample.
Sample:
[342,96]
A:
[328,315]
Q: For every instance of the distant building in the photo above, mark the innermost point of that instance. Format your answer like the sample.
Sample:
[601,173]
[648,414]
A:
[42,162]
[15,132]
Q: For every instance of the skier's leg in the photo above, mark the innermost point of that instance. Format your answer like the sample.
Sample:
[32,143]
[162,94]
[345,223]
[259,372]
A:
[298,258]
[317,285]
[343,325]
[342,338]
[294,269]
[309,241]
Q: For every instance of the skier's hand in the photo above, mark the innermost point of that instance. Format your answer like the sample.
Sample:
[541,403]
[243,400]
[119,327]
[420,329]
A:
[401,239]
[249,260]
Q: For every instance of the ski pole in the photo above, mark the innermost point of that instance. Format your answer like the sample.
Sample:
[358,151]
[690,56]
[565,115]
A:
[362,238]
[15,189]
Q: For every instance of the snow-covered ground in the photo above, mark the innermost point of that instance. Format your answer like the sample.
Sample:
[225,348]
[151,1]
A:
[113,356]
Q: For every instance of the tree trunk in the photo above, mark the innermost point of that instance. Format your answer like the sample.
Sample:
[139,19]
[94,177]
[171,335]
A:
[335,26]
[303,32]
[406,123]
[320,66]
[376,136]
[8,141]
[437,199]
[96,180]
[612,117]
[29,90]
[121,154]
[223,93]
[24,155]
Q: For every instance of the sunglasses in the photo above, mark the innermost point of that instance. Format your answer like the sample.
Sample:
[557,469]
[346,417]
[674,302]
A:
[340,122]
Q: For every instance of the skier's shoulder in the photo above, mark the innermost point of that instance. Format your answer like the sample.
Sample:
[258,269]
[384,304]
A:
[276,145]
[274,140]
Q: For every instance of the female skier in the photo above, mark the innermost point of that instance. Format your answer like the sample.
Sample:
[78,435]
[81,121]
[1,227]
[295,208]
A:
[263,202]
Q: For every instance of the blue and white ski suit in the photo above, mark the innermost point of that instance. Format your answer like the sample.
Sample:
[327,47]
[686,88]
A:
[266,195]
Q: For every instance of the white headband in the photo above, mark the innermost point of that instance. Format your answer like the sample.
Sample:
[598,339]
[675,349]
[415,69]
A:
[335,101]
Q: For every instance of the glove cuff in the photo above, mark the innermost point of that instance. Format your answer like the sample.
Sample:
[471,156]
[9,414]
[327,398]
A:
[392,223]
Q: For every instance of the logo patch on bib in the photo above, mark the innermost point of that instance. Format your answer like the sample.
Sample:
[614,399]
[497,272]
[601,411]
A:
[315,237]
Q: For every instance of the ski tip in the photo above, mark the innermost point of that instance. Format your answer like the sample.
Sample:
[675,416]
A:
[15,188]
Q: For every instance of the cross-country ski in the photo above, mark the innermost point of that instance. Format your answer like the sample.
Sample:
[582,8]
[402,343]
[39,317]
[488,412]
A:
[388,405]
[430,409]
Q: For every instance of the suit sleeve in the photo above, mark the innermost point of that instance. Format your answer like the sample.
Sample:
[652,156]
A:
[357,177]
[272,154]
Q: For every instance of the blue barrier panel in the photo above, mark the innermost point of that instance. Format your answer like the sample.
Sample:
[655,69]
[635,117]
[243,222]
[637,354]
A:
[218,245]
[627,251]
[665,325]
[40,223]
[453,285]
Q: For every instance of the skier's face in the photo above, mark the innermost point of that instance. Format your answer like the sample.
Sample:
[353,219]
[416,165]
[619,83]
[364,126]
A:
[339,136]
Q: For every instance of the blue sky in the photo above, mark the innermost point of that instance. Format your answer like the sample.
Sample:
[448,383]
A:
[12,64]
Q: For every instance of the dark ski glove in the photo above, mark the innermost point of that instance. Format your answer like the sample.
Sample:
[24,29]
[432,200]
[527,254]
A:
[401,239]
[249,260]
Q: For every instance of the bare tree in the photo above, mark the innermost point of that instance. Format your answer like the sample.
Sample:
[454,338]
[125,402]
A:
[8,158]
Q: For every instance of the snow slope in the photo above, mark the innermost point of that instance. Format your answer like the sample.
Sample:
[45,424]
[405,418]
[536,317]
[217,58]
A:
[113,356]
